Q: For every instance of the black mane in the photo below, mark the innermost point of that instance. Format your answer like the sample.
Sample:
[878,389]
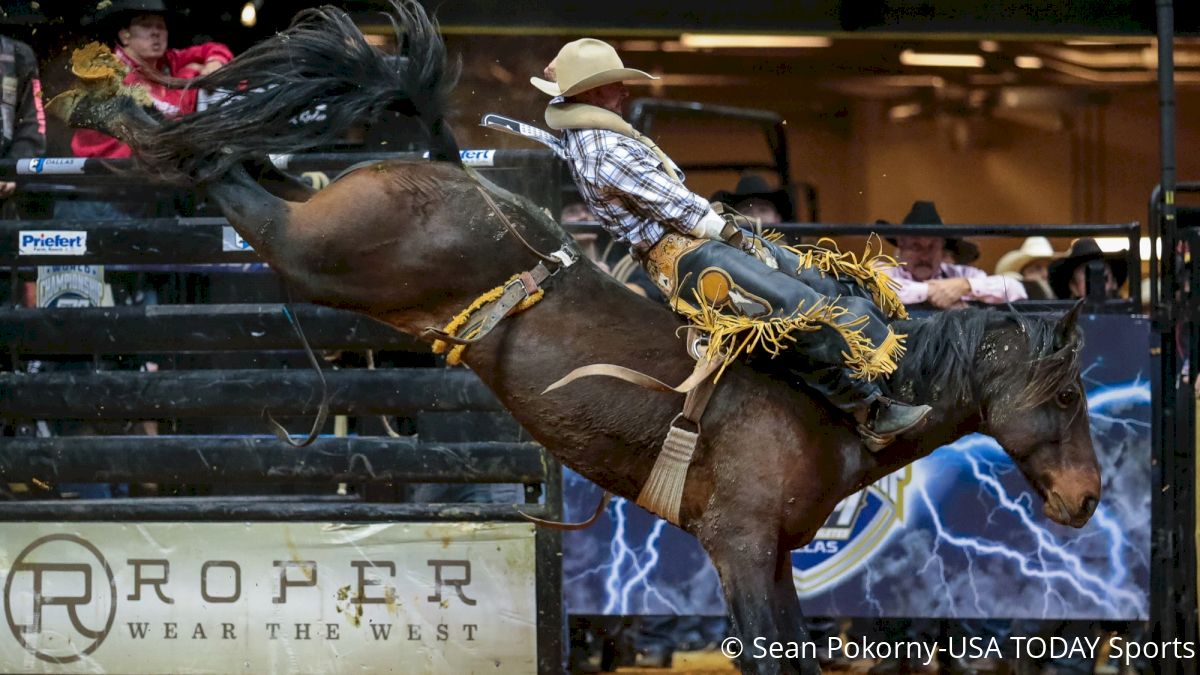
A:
[949,352]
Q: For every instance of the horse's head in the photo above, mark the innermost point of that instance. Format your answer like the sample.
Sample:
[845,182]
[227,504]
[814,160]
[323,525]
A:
[1021,375]
[1033,404]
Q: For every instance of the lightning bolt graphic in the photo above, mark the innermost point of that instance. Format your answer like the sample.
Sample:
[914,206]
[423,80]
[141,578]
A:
[1008,561]
[630,585]
[1102,569]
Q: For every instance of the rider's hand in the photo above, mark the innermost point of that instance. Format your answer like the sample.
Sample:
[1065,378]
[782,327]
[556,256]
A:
[946,293]
[7,188]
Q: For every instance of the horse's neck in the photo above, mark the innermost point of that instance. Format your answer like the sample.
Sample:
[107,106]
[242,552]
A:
[950,420]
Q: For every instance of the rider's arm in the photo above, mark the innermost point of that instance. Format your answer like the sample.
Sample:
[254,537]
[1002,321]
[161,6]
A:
[187,62]
[635,177]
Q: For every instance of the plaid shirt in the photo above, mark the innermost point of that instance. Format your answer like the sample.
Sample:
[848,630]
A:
[625,186]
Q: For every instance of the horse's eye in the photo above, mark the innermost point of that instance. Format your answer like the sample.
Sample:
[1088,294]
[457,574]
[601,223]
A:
[1068,397]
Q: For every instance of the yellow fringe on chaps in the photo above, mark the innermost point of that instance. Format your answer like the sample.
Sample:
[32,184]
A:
[868,271]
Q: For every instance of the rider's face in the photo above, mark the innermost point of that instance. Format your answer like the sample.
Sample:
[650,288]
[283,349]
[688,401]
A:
[611,97]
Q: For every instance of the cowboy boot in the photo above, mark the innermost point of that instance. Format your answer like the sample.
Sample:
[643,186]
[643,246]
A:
[886,419]
[879,419]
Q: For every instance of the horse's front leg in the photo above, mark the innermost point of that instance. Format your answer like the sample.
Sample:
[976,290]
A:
[748,567]
[790,617]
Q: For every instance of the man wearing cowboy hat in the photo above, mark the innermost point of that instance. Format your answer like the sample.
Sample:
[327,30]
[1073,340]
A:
[1030,264]
[139,29]
[700,259]
[926,277]
[752,197]
[1068,275]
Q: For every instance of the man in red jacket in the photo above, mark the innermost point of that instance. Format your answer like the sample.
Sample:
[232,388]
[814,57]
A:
[140,29]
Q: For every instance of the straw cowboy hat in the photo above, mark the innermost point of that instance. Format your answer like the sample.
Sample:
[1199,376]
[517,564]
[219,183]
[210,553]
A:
[586,64]
[755,187]
[925,213]
[1083,251]
[1032,249]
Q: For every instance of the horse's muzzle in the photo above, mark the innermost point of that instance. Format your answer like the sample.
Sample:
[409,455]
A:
[1062,511]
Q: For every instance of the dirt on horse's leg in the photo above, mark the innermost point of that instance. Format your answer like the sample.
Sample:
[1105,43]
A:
[255,213]
[788,612]
[747,566]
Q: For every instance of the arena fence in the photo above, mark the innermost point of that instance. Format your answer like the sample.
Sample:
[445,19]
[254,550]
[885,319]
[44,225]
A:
[1175,297]
[350,477]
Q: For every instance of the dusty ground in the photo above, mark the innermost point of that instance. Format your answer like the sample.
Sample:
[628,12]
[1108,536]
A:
[712,663]
[691,663]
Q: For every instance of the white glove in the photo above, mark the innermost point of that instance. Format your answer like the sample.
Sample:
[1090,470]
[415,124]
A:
[710,226]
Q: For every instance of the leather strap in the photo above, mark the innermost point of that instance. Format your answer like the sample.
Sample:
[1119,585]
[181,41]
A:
[490,315]
[703,370]
[515,232]
[697,399]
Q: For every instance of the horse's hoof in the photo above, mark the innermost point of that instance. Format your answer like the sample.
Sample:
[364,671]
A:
[94,63]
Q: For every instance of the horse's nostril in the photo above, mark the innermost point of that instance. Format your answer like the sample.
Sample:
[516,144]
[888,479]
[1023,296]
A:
[1089,505]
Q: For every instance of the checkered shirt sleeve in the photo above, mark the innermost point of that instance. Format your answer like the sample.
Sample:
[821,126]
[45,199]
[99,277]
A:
[626,187]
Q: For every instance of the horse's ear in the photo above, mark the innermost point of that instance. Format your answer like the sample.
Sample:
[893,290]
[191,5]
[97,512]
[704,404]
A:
[1065,331]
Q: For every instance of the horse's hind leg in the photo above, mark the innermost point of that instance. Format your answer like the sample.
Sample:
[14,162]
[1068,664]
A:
[278,182]
[750,578]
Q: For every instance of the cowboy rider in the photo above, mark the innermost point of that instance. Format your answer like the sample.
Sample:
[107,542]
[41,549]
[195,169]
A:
[831,319]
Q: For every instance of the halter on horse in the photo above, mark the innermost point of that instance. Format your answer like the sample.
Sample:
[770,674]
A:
[413,243]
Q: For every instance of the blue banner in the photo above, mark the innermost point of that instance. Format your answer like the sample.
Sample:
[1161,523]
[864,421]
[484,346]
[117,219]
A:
[957,534]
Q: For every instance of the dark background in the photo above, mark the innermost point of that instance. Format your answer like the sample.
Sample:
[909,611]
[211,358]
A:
[1092,17]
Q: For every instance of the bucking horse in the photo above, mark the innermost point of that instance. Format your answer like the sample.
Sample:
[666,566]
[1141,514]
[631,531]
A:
[414,243]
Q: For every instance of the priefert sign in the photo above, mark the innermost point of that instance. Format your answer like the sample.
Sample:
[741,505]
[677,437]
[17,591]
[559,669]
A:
[51,242]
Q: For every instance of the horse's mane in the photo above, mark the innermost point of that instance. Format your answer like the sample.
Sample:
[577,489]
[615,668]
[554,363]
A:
[949,351]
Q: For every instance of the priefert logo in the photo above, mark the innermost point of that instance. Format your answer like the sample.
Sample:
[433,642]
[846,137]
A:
[52,242]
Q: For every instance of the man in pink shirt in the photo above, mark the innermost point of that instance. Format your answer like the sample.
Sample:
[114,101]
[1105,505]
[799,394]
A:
[924,276]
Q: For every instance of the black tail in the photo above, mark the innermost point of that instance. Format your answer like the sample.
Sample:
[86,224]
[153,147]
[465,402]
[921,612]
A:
[304,87]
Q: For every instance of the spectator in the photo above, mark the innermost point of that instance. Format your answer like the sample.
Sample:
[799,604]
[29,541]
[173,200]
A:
[22,119]
[1068,275]
[925,277]
[754,199]
[139,30]
[1030,264]
[960,252]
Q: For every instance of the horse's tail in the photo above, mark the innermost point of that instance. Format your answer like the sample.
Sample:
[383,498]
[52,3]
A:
[305,87]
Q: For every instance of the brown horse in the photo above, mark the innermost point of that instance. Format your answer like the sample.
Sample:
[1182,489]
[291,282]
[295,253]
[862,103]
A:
[413,243]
